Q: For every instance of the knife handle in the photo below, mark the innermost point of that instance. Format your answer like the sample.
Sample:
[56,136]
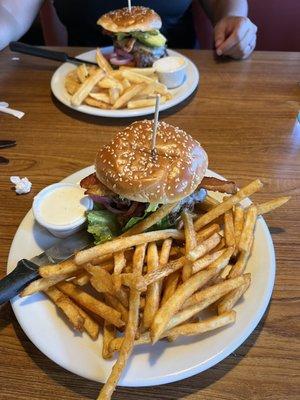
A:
[37,51]
[24,273]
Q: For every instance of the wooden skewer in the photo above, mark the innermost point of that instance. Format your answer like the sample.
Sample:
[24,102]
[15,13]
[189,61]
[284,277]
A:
[155,123]
[129,5]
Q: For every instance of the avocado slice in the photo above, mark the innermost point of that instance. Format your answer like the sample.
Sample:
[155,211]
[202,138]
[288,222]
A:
[151,38]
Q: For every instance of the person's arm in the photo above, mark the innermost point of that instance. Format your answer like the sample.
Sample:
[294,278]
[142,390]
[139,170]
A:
[16,18]
[235,34]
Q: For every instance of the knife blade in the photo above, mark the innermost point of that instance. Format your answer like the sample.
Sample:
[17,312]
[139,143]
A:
[45,53]
[27,271]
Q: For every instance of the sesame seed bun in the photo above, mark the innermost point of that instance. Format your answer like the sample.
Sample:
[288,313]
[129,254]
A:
[126,166]
[139,19]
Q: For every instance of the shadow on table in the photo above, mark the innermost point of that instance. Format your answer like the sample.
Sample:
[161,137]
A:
[90,390]
[97,120]
[6,315]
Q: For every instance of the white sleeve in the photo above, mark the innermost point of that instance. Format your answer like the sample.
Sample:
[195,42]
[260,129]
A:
[16,18]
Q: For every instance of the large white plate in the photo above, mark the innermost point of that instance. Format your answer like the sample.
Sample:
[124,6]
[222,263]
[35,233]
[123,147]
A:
[179,94]
[163,363]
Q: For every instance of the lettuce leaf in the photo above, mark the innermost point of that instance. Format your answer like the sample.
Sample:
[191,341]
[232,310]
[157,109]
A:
[134,220]
[103,225]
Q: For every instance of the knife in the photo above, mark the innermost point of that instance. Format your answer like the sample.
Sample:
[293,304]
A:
[27,271]
[44,53]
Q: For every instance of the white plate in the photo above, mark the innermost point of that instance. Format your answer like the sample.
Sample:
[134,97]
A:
[163,363]
[179,94]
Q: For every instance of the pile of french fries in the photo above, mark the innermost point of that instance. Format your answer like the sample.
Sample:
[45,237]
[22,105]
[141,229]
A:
[107,89]
[143,287]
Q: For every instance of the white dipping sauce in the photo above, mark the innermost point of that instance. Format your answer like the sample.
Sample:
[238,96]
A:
[169,64]
[63,205]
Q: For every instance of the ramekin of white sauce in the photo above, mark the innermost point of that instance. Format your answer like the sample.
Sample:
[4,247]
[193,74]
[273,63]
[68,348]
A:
[61,208]
[171,70]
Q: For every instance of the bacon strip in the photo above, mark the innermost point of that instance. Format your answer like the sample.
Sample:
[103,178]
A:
[217,185]
[94,187]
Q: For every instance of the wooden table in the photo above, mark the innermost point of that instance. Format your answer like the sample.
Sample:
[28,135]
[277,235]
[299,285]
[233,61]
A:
[244,114]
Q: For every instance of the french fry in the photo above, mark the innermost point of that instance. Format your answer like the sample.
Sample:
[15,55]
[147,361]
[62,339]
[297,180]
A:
[170,286]
[153,218]
[231,298]
[153,290]
[140,103]
[206,260]
[96,103]
[271,205]
[90,303]
[109,333]
[130,280]
[43,284]
[203,248]
[67,307]
[114,94]
[208,203]
[248,229]
[228,204]
[125,83]
[103,97]
[190,243]
[163,261]
[142,71]
[82,72]
[82,279]
[117,305]
[102,62]
[120,262]
[128,95]
[206,325]
[221,245]
[110,82]
[123,243]
[221,288]
[229,228]
[116,343]
[139,78]
[91,327]
[163,271]
[239,267]
[65,267]
[86,87]
[71,85]
[130,332]
[102,281]
[205,233]
[182,293]
[238,225]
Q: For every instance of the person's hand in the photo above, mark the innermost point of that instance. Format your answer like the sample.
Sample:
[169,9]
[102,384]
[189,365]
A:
[235,37]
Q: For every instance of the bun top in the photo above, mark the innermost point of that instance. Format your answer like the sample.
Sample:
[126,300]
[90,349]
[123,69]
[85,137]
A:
[138,19]
[127,167]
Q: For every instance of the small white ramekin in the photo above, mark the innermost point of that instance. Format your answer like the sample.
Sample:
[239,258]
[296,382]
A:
[173,77]
[60,231]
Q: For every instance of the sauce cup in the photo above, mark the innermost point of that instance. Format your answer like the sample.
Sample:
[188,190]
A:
[171,70]
[61,207]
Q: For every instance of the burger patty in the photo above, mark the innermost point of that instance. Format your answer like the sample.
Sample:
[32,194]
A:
[145,56]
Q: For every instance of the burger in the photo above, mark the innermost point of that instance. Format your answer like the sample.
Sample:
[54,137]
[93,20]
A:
[136,37]
[130,182]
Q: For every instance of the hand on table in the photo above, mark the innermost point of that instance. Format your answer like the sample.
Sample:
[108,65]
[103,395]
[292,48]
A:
[235,37]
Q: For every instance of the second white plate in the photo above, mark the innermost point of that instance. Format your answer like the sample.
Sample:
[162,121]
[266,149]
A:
[179,94]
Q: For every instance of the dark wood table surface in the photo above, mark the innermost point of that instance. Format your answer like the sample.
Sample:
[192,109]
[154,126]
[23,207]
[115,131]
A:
[244,113]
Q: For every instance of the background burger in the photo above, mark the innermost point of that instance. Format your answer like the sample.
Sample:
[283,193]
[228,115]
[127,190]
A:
[136,37]
[129,183]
